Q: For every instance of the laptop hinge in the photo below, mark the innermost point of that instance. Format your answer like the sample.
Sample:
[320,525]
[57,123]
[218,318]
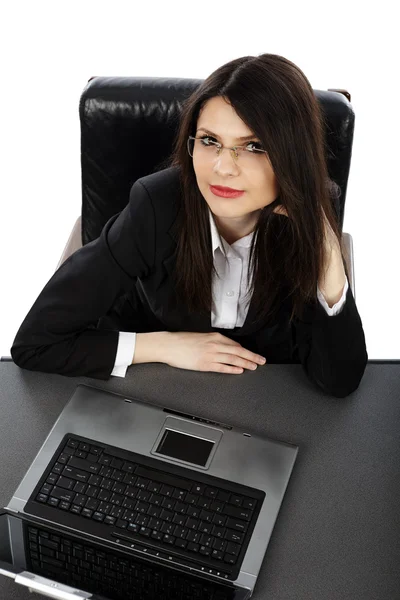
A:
[49,588]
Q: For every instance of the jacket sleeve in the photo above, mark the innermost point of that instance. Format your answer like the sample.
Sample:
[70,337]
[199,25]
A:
[59,334]
[332,349]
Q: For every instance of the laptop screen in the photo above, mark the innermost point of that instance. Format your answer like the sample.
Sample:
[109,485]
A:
[45,551]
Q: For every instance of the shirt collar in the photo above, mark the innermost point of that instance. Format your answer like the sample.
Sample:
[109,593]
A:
[218,241]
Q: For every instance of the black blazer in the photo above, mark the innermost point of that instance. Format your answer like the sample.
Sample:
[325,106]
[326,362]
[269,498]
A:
[122,282]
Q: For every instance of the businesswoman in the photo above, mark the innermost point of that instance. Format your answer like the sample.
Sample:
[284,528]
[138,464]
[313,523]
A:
[228,255]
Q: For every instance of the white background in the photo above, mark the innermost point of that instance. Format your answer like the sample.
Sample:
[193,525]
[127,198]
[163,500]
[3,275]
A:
[49,50]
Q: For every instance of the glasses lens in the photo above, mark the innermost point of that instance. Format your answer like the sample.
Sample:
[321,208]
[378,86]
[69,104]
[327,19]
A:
[209,150]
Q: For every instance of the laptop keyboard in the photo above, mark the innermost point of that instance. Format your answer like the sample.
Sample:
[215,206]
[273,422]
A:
[186,517]
[84,566]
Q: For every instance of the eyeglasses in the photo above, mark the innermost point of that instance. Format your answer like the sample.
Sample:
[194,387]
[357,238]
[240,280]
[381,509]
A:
[206,147]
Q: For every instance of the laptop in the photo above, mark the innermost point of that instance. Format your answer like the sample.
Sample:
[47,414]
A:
[131,500]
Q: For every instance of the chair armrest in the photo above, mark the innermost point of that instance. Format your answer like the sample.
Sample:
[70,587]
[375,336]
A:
[74,242]
[349,258]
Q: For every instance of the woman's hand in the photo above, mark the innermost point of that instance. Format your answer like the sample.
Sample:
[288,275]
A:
[208,352]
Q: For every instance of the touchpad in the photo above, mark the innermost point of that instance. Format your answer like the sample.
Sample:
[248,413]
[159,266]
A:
[187,442]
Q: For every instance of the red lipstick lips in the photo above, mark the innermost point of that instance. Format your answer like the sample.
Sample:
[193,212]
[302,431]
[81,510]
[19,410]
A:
[226,192]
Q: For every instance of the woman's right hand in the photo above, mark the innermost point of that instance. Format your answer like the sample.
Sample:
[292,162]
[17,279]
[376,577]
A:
[208,352]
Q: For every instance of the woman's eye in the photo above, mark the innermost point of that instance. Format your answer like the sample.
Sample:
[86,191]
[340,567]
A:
[254,144]
[206,137]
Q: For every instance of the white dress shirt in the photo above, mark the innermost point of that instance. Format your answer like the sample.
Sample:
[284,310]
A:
[230,304]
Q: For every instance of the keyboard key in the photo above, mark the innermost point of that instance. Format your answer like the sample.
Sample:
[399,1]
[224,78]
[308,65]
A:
[86,512]
[167,528]
[52,478]
[193,511]
[166,515]
[205,527]
[63,494]
[80,499]
[206,515]
[179,494]
[219,520]
[238,513]
[192,523]
[232,548]
[128,467]
[146,531]
[109,520]
[217,506]
[121,523]
[66,483]
[80,487]
[236,524]
[195,547]
[53,501]
[179,519]
[98,516]
[83,465]
[223,496]
[42,498]
[57,468]
[92,503]
[236,500]
[219,532]
[105,459]
[63,458]
[211,492]
[96,450]
[168,503]
[230,559]
[117,475]
[181,507]
[249,503]
[73,443]
[198,488]
[193,536]
[232,536]
[141,482]
[73,473]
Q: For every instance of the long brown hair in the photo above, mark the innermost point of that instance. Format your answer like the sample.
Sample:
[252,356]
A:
[275,99]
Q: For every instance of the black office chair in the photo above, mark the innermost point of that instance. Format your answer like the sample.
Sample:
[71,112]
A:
[118,113]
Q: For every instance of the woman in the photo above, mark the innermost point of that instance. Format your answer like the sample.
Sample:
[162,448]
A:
[206,280]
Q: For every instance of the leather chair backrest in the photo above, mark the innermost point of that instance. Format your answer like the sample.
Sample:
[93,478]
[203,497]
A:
[128,125]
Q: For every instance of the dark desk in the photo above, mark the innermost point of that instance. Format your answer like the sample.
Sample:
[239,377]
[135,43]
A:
[337,536]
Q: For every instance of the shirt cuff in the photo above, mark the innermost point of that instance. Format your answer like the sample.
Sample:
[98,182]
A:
[125,353]
[336,308]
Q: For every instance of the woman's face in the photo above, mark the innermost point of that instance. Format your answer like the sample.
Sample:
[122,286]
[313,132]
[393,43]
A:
[256,177]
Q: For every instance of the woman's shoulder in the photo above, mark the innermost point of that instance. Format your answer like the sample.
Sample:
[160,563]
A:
[160,183]
[163,190]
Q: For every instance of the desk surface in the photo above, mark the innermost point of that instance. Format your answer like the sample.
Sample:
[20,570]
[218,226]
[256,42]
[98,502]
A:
[337,536]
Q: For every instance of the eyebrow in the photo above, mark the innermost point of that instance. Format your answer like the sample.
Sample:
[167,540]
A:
[241,139]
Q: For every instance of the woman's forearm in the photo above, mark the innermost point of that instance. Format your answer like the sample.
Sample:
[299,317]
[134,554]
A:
[150,347]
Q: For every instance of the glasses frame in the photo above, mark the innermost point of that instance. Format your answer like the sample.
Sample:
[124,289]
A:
[219,146]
